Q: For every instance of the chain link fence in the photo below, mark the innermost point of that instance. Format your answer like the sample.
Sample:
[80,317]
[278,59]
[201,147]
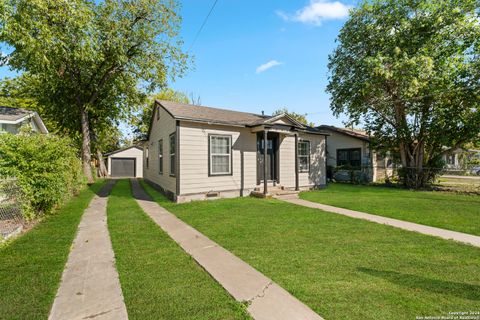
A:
[11,218]
[449,179]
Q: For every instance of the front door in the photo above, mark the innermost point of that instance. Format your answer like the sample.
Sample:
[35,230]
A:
[272,150]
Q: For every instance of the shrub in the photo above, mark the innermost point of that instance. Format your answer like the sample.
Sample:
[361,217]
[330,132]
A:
[47,169]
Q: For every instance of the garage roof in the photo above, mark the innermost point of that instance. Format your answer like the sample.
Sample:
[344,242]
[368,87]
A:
[120,150]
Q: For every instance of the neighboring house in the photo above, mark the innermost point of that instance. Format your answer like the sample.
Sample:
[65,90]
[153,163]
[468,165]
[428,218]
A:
[12,119]
[196,152]
[125,163]
[349,149]
[459,158]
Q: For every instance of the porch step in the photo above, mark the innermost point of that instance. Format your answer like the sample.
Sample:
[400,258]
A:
[272,191]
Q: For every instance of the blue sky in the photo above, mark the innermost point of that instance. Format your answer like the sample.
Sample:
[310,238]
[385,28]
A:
[293,37]
[261,55]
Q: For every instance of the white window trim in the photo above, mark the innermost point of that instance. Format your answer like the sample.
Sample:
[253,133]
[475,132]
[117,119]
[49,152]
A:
[211,154]
[160,156]
[173,169]
[300,170]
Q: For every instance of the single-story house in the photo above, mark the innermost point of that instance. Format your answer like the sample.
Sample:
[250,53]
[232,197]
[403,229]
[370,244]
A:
[125,163]
[459,159]
[348,149]
[197,152]
[12,119]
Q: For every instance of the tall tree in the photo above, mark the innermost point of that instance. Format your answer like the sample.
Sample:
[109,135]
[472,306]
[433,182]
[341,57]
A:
[19,94]
[92,60]
[409,71]
[141,121]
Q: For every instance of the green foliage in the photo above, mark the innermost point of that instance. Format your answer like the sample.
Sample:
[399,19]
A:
[38,258]
[90,63]
[361,270]
[163,290]
[141,122]
[47,169]
[297,116]
[447,210]
[409,71]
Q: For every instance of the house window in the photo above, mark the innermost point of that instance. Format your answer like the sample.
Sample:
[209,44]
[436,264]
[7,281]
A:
[351,158]
[220,154]
[451,159]
[146,157]
[160,156]
[158,114]
[172,153]
[304,156]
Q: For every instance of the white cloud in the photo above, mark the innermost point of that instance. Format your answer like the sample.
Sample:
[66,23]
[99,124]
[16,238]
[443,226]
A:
[268,65]
[317,12]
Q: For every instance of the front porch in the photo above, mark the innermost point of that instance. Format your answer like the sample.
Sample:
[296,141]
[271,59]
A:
[269,140]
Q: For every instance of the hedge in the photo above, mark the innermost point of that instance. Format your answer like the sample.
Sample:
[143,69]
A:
[47,169]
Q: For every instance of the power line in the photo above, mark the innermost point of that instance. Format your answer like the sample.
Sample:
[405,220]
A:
[203,25]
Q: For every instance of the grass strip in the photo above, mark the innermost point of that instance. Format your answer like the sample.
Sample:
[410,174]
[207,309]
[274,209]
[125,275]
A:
[31,265]
[343,268]
[159,280]
[450,211]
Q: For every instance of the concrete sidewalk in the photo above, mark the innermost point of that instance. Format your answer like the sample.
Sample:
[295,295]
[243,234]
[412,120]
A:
[90,288]
[410,226]
[267,300]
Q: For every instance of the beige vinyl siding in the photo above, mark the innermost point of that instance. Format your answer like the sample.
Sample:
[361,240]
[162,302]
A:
[194,171]
[287,161]
[135,153]
[161,129]
[317,174]
[9,128]
[340,141]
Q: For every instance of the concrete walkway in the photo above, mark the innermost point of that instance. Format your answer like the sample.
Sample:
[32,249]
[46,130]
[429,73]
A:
[267,300]
[410,226]
[90,288]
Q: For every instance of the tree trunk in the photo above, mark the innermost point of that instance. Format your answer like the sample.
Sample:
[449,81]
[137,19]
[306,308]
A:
[102,169]
[86,156]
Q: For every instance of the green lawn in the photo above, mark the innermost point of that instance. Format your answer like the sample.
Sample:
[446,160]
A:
[437,209]
[31,266]
[343,268]
[159,280]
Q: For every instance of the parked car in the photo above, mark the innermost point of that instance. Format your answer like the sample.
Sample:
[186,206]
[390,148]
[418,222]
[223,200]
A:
[475,170]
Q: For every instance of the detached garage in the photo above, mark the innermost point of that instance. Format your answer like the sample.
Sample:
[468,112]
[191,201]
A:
[125,163]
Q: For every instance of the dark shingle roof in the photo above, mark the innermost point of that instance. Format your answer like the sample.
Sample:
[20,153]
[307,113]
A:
[182,111]
[354,133]
[13,114]
[208,114]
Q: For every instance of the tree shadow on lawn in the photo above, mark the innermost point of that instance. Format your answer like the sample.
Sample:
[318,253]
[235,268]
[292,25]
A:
[461,290]
[104,191]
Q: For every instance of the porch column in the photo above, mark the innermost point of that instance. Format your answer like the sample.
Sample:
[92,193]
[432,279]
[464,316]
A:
[296,162]
[265,147]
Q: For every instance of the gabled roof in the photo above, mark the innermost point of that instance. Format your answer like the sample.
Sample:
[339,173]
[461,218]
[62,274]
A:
[273,119]
[182,111]
[187,112]
[122,149]
[13,114]
[354,133]
[17,115]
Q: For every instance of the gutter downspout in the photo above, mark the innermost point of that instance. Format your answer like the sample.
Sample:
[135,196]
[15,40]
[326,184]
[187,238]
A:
[297,188]
[265,147]
[177,160]
[242,173]
[326,160]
